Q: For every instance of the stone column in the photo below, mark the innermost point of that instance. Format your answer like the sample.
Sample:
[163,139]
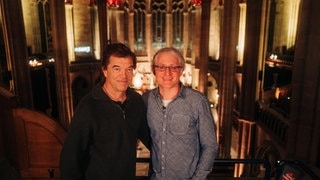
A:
[119,25]
[303,134]
[185,33]
[169,29]
[15,44]
[228,59]
[149,35]
[131,30]
[70,33]
[195,58]
[102,17]
[148,27]
[204,45]
[112,23]
[251,59]
[95,33]
[242,28]
[60,48]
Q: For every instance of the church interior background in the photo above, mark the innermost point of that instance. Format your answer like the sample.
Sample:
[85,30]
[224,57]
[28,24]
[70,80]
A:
[257,62]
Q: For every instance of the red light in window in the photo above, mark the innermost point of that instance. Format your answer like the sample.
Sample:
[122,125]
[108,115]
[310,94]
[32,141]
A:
[113,2]
[197,2]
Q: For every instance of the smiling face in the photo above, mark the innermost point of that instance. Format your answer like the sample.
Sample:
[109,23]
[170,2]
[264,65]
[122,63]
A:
[167,70]
[118,73]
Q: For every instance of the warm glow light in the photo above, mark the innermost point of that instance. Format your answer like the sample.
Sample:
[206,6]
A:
[195,78]
[68,1]
[273,57]
[152,84]
[186,79]
[34,63]
[277,93]
[137,80]
[113,3]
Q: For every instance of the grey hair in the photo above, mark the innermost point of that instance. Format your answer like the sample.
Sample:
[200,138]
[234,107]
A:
[171,50]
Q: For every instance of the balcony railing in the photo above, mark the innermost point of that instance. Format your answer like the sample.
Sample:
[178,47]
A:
[224,168]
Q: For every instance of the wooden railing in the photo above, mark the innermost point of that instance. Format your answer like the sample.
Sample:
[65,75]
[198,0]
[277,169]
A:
[30,140]
[275,123]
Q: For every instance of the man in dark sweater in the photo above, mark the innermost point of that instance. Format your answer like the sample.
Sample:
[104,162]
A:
[102,137]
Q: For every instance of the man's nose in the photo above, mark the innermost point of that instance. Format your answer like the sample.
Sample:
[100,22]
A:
[167,70]
[123,73]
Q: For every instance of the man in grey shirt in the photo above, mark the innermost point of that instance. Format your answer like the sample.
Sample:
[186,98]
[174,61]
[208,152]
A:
[184,143]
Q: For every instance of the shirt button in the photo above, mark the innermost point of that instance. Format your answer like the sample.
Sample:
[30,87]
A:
[162,167]
[163,142]
[162,156]
[165,116]
[164,129]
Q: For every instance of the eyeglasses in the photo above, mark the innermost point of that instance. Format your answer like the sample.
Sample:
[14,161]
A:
[170,68]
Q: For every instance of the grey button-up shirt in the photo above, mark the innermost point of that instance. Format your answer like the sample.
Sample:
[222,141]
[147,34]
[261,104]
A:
[184,143]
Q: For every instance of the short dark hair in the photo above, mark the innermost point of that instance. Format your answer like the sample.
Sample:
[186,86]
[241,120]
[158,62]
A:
[118,50]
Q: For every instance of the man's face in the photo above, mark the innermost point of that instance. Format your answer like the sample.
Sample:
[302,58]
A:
[119,73]
[167,70]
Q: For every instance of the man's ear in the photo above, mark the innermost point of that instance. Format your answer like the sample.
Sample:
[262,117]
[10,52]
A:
[181,73]
[153,70]
[104,71]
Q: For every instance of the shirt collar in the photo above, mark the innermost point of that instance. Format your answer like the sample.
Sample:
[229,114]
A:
[98,93]
[181,93]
